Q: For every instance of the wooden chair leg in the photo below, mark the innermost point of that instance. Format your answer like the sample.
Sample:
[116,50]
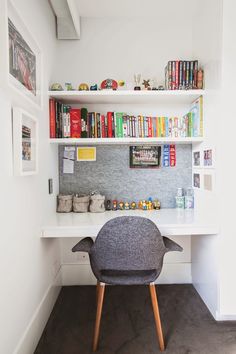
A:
[100,297]
[157,316]
[97,288]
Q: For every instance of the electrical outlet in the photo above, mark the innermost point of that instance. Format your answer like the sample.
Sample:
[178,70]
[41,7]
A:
[82,258]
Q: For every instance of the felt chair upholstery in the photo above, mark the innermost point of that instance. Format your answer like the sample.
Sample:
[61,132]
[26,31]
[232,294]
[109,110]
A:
[128,250]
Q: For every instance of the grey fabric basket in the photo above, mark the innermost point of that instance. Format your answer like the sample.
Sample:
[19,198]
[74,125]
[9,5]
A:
[64,203]
[80,204]
[97,203]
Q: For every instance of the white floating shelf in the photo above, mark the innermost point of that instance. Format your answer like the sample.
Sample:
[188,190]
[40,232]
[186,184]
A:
[123,141]
[137,97]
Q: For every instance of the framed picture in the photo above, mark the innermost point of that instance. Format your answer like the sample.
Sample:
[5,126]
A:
[197,179]
[208,158]
[197,158]
[25,143]
[209,180]
[24,59]
[145,156]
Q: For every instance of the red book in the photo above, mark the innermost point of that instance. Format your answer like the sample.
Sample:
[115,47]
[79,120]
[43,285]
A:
[177,74]
[103,128]
[149,127]
[52,118]
[75,123]
[109,124]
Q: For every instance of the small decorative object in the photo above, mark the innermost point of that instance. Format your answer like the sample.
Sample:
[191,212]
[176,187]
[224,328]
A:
[189,199]
[97,203]
[94,87]
[64,203]
[179,202]
[200,75]
[156,204]
[56,87]
[145,156]
[137,80]
[108,205]
[68,86]
[146,84]
[121,205]
[109,84]
[83,87]
[133,205]
[114,205]
[149,204]
[144,205]
[161,88]
[127,206]
[80,203]
[25,143]
[121,83]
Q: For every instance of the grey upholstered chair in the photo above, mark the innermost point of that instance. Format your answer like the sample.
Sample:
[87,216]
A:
[128,250]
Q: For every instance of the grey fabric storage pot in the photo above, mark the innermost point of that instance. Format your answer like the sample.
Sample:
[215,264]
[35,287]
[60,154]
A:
[80,204]
[97,203]
[64,203]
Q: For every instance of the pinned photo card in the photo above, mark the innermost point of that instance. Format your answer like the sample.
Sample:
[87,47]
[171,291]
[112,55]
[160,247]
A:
[197,158]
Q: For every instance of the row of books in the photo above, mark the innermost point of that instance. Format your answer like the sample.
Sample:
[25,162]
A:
[182,75]
[67,122]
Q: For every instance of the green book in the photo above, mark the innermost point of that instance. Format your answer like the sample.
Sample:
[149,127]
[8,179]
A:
[119,125]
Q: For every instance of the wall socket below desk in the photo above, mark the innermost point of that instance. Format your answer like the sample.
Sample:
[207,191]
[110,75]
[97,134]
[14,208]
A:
[82,258]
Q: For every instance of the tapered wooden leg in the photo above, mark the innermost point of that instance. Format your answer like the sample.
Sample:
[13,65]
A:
[100,296]
[97,288]
[157,316]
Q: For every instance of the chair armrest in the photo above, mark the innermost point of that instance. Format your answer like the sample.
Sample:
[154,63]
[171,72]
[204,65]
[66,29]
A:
[171,245]
[84,245]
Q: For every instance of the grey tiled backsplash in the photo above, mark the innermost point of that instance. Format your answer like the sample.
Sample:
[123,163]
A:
[111,175]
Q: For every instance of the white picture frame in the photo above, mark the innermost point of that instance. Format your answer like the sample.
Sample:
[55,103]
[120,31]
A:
[197,181]
[208,157]
[209,180]
[197,158]
[24,59]
[25,143]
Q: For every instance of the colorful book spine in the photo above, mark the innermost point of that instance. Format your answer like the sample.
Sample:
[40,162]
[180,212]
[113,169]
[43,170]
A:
[65,122]
[84,123]
[75,123]
[52,118]
[109,124]
[103,128]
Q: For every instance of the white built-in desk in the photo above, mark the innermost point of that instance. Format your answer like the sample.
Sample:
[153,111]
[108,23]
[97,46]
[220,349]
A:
[169,221]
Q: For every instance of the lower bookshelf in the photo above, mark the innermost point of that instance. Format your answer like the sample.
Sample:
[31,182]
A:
[127,141]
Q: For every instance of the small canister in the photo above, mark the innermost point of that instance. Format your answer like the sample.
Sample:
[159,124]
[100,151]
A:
[64,203]
[179,202]
[80,203]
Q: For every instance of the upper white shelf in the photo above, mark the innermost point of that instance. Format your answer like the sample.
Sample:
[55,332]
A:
[137,97]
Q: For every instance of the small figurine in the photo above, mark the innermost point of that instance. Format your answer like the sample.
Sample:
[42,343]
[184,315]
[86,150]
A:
[146,84]
[68,86]
[121,205]
[94,87]
[56,87]
[144,204]
[108,205]
[109,84]
[114,205]
[133,205]
[127,207]
[137,80]
[140,204]
[156,204]
[83,87]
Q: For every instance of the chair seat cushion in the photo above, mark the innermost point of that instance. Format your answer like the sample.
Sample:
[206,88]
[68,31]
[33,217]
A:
[128,277]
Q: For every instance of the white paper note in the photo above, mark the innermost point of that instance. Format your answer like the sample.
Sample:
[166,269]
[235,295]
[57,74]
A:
[68,166]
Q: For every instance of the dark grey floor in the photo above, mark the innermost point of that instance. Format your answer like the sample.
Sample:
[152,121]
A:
[128,326]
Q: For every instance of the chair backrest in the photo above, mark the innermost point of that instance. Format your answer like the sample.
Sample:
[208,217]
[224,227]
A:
[128,243]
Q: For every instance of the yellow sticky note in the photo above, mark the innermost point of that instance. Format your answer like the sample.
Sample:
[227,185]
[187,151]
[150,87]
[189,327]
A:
[86,154]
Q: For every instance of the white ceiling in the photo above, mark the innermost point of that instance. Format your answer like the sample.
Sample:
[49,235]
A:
[137,8]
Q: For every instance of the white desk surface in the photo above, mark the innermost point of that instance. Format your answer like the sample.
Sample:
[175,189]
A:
[169,221]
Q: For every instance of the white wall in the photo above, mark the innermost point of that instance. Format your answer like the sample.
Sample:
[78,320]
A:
[226,174]
[119,47]
[28,264]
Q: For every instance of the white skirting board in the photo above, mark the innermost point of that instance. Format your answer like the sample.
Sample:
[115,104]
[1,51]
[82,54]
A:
[81,274]
[33,332]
